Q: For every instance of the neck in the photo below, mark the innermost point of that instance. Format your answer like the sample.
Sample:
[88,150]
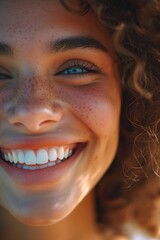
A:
[79,225]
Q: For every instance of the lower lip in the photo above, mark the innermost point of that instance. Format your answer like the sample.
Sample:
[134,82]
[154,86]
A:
[40,178]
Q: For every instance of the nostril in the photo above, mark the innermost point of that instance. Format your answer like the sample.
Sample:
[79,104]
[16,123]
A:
[35,119]
[45,122]
[18,124]
[36,123]
[41,124]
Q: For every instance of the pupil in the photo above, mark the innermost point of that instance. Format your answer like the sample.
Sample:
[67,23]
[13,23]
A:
[75,70]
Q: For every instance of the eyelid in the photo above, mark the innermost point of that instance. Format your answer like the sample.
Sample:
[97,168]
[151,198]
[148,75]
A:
[5,70]
[78,63]
[5,73]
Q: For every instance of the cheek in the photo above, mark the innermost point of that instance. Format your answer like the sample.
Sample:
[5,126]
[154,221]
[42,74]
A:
[5,96]
[96,107]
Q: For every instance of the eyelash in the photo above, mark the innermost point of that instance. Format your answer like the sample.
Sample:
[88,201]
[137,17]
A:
[83,66]
[5,76]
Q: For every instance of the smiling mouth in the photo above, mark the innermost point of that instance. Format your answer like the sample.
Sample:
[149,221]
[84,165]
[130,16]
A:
[30,159]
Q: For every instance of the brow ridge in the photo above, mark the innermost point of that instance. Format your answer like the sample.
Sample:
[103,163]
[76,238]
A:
[62,44]
[70,43]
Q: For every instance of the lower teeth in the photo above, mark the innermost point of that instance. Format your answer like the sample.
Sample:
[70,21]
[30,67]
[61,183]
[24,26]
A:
[27,167]
[36,167]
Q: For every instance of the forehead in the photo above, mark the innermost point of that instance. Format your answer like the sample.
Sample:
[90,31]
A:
[32,16]
[29,25]
[36,12]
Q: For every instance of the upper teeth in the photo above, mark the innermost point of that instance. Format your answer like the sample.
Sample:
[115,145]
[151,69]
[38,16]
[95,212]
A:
[41,156]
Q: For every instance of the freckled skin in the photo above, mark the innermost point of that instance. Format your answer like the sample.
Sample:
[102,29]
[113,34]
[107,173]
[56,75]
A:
[86,111]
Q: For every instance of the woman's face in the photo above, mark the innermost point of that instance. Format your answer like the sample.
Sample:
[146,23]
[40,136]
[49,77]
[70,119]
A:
[59,108]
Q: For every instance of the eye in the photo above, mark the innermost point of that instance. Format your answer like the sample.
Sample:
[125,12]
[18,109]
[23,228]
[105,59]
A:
[75,70]
[4,74]
[77,67]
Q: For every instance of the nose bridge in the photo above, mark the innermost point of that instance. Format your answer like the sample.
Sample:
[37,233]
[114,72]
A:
[33,93]
[35,88]
[34,105]
[33,79]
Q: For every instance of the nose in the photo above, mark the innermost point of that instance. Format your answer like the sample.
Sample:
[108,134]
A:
[38,120]
[33,113]
[35,120]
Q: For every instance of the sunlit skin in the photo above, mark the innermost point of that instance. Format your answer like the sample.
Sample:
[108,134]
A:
[44,103]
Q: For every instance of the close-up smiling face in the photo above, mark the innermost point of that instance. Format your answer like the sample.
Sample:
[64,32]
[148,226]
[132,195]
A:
[60,99]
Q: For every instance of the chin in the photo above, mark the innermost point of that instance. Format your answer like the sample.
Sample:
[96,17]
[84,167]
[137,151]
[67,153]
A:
[38,221]
[40,217]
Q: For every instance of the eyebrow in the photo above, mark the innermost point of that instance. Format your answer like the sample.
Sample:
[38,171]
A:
[63,44]
[70,43]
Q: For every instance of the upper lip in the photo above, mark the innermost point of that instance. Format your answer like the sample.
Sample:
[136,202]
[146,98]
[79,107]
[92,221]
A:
[38,143]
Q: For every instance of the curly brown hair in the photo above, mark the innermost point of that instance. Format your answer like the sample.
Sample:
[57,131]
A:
[134,26]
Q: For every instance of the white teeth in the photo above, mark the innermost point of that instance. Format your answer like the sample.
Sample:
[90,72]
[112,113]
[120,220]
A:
[70,153]
[39,157]
[42,156]
[6,157]
[10,157]
[66,153]
[52,154]
[20,156]
[30,158]
[60,153]
[14,157]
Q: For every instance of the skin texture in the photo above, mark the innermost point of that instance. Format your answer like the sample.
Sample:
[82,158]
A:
[39,106]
